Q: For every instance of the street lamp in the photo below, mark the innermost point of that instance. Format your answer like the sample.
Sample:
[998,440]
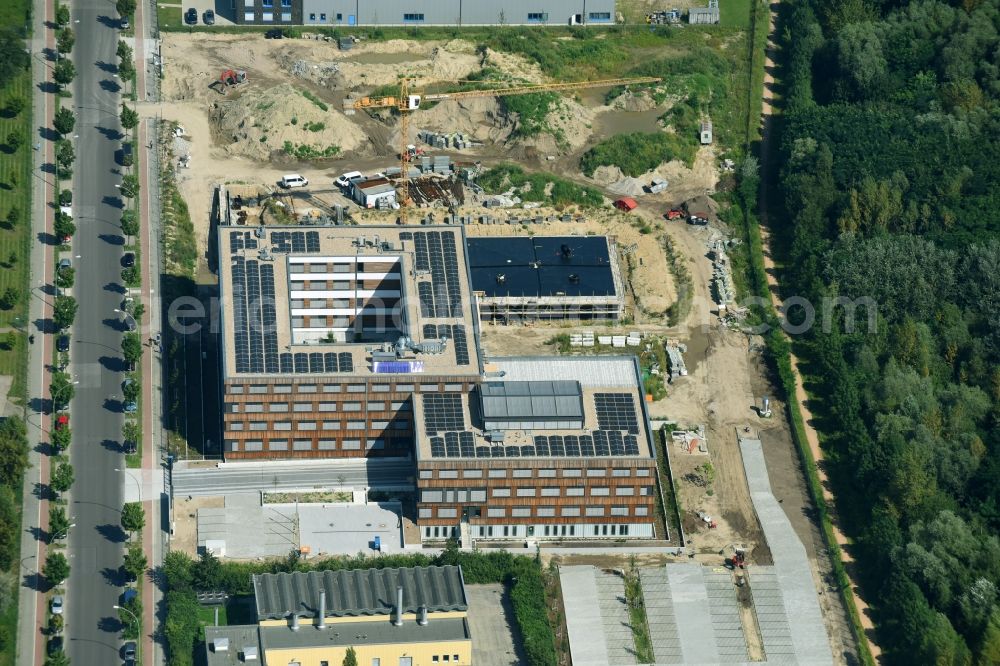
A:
[122,608]
[134,480]
[63,532]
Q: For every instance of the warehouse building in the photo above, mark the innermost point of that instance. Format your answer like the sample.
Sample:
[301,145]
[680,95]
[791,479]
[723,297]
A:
[347,13]
[524,279]
[351,342]
[410,617]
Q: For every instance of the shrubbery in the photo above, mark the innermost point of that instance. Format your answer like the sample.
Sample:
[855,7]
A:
[638,152]
[563,192]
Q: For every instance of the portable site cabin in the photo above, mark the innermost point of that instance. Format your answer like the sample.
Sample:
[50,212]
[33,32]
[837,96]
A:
[706,132]
[626,204]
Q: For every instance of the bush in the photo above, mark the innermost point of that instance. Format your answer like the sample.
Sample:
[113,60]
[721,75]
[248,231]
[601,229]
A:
[532,186]
[638,152]
[315,100]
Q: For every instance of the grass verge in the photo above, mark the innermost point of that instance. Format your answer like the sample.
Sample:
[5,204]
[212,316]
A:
[637,616]
[168,17]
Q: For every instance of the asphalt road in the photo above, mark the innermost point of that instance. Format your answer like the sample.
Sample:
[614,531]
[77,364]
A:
[96,543]
[395,473]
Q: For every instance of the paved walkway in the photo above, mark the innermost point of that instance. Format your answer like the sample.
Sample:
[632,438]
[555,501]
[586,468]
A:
[32,607]
[584,621]
[614,611]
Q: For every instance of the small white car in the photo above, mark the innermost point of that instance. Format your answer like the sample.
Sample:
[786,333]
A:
[345,178]
[57,605]
[293,180]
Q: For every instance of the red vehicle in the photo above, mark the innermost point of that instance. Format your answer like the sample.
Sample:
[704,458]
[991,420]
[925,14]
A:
[62,421]
[626,204]
[674,214]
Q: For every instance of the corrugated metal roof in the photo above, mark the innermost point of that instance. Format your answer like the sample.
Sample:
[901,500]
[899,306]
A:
[531,400]
[591,372]
[359,592]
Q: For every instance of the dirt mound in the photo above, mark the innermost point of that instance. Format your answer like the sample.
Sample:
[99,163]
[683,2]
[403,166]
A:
[607,175]
[261,121]
[571,126]
[634,102]
[479,118]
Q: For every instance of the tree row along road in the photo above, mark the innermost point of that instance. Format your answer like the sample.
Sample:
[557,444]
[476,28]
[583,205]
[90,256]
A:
[801,397]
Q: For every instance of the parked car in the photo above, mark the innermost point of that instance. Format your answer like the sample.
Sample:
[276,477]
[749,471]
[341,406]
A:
[208,18]
[62,343]
[674,214]
[345,178]
[127,158]
[55,645]
[191,16]
[274,34]
[57,605]
[128,259]
[124,24]
[62,421]
[65,263]
[129,650]
[293,180]
[698,219]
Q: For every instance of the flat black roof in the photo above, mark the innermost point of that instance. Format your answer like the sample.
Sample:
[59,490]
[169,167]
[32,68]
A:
[541,266]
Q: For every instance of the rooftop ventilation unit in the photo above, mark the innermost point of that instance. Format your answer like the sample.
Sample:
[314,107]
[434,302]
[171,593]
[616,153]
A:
[220,644]
[250,653]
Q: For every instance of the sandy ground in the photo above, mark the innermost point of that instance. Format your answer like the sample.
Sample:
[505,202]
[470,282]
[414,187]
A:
[185,536]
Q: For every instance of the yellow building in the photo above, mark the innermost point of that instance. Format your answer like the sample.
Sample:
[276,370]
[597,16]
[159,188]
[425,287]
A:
[391,617]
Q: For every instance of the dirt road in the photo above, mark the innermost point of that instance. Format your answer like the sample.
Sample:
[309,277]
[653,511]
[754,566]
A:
[801,397]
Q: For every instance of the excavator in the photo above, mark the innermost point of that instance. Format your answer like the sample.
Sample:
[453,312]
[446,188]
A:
[408,101]
[229,78]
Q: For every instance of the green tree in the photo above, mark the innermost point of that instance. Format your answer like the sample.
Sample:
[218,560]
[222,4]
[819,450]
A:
[131,347]
[64,72]
[130,186]
[64,121]
[65,40]
[58,522]
[61,389]
[64,311]
[207,572]
[10,298]
[131,434]
[125,7]
[62,477]
[133,517]
[130,629]
[124,50]
[126,70]
[56,569]
[13,216]
[65,156]
[13,55]
[63,225]
[65,278]
[15,105]
[135,561]
[9,520]
[57,659]
[61,438]
[351,657]
[177,570]
[130,223]
[129,118]
[13,451]
[14,141]
[130,391]
[62,14]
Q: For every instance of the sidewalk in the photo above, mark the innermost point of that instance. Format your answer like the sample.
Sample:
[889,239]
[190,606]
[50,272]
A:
[152,431]
[31,617]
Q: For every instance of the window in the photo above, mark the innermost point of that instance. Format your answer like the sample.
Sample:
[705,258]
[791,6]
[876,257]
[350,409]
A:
[236,425]
[253,445]
[267,17]
[282,425]
[448,474]
[646,490]
[375,660]
[522,474]
[521,512]
[550,492]
[642,472]
[331,425]
[376,406]
[400,388]
[380,388]
[235,389]
[600,491]
[595,472]
[277,445]
[412,18]
[545,512]
[525,492]
[445,512]
[537,17]
[599,16]
[501,492]
[307,388]
[496,512]
[435,657]
[286,3]
[595,510]
[472,473]
[453,387]
[401,405]
[625,491]
[282,388]
[351,407]
[355,388]
[642,511]
[497,473]
[306,425]
[322,17]
[571,473]
[426,513]
[351,445]
[253,407]
[312,17]
[258,425]
[570,511]
[303,407]
[258,388]
[302,445]
[277,407]
[326,444]
[546,473]
[619,511]
[621,472]
[327,407]
[574,492]
[331,388]
[267,3]
[426,474]
[340,17]
[355,425]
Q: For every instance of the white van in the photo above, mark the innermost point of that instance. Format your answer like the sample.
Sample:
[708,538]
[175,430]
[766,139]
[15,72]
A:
[293,180]
[345,178]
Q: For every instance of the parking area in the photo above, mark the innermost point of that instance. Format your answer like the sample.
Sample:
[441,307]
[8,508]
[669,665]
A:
[490,620]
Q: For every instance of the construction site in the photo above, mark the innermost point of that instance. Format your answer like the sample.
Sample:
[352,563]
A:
[246,113]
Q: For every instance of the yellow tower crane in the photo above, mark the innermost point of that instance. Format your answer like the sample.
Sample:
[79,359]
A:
[407,101]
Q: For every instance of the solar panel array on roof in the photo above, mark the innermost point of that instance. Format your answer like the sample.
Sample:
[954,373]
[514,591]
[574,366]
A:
[397,367]
[436,253]
[443,412]
[531,401]
[255,335]
[296,242]
[541,266]
[456,334]
[616,411]
[241,240]
[599,444]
